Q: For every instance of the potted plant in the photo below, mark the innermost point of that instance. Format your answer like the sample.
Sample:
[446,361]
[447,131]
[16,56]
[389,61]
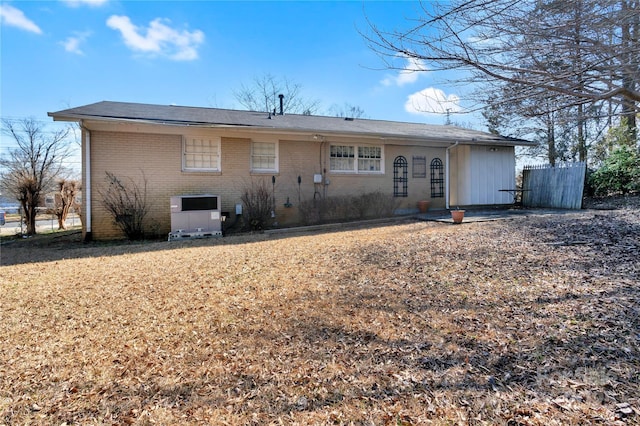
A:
[423,206]
[457,215]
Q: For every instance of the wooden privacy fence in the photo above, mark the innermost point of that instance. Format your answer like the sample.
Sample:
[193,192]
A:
[558,187]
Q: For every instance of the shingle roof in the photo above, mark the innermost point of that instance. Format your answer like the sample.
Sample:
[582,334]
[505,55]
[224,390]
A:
[214,117]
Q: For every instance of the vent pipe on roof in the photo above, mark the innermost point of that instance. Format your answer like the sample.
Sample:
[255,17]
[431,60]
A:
[281,96]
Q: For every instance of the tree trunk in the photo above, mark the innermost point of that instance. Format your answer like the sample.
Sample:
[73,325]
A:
[629,32]
[551,141]
[582,143]
[30,218]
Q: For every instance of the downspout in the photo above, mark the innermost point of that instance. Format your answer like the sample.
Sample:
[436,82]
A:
[447,183]
[87,182]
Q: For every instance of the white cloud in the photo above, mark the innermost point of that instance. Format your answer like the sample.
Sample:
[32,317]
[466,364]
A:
[432,101]
[13,17]
[409,74]
[72,44]
[158,38]
[92,3]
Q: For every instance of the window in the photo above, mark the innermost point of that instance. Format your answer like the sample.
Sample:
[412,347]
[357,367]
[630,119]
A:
[369,158]
[342,158]
[419,167]
[201,153]
[355,159]
[400,178]
[437,178]
[264,157]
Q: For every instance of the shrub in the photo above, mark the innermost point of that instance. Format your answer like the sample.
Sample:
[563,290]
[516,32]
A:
[258,206]
[619,173]
[377,204]
[127,204]
[331,209]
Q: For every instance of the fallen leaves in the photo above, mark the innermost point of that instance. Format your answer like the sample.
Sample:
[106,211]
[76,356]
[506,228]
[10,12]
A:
[529,321]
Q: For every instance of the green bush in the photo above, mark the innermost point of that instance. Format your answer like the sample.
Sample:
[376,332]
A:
[619,173]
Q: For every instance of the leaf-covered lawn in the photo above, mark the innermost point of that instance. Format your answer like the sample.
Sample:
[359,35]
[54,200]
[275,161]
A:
[532,320]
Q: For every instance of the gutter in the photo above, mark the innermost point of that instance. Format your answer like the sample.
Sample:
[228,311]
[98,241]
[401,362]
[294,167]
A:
[448,179]
[87,182]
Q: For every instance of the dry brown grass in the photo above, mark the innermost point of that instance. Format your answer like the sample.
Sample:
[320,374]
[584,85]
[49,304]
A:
[530,321]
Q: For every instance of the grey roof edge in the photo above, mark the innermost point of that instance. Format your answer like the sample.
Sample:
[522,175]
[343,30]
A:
[206,117]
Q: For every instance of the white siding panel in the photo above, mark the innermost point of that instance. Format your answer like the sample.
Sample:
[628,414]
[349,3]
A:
[493,168]
[459,175]
[479,172]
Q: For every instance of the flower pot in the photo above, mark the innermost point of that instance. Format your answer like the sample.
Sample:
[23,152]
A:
[423,206]
[457,216]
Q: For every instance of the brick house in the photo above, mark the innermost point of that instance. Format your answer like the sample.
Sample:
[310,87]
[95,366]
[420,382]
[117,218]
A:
[191,150]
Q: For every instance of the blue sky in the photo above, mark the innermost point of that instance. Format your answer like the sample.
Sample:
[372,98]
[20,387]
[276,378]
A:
[60,54]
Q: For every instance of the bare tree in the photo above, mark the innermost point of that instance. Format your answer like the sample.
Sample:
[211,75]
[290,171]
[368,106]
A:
[31,169]
[560,133]
[583,51]
[264,95]
[65,199]
[346,111]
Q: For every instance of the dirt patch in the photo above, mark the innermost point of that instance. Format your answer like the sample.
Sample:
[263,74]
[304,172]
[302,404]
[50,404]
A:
[528,321]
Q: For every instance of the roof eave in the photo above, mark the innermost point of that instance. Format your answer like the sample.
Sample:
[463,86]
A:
[298,131]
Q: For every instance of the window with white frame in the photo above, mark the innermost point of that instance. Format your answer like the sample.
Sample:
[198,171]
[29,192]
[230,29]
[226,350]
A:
[355,158]
[369,158]
[264,157]
[342,158]
[201,153]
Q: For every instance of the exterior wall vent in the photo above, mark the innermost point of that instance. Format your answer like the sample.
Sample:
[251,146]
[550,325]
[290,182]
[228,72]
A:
[195,216]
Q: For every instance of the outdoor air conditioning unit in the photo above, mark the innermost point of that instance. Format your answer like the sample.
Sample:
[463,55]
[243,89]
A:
[195,216]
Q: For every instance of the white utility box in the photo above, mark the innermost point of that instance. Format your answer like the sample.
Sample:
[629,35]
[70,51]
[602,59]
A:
[195,216]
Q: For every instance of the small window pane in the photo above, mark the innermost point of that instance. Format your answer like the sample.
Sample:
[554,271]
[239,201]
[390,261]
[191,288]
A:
[338,151]
[341,164]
